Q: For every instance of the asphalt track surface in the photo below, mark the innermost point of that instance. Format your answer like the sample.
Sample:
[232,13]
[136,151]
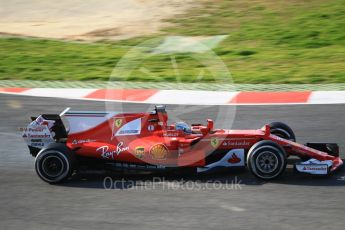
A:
[293,201]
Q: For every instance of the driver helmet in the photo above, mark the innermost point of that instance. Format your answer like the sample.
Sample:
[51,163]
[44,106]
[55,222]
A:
[183,126]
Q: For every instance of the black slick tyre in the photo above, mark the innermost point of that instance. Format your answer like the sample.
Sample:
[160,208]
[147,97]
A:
[55,163]
[266,160]
[282,130]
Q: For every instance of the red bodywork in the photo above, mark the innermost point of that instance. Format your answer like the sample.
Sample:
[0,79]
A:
[161,144]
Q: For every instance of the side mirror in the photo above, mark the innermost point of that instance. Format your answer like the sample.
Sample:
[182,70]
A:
[210,124]
[267,130]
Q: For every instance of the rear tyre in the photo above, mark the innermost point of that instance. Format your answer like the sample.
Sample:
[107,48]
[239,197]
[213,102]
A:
[266,160]
[282,130]
[55,163]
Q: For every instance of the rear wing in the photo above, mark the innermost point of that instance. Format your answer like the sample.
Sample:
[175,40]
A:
[42,131]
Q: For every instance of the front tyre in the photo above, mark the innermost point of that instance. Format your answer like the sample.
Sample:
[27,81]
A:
[54,164]
[266,160]
[282,130]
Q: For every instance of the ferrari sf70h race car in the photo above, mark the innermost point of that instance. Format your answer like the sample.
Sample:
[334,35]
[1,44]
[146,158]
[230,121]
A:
[66,143]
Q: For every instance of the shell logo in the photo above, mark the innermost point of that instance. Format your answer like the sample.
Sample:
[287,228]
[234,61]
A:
[159,152]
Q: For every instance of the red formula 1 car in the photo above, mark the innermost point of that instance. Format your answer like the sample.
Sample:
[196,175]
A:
[65,143]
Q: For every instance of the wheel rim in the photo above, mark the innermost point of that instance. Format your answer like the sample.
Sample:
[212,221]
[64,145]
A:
[267,162]
[52,166]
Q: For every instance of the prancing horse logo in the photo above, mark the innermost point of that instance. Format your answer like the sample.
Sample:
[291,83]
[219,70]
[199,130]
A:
[118,122]
[214,142]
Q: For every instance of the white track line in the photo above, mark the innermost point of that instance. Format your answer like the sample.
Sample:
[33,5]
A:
[327,97]
[194,97]
[58,92]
